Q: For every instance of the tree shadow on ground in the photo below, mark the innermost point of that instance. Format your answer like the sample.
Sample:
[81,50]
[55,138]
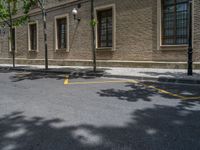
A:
[34,76]
[185,89]
[58,74]
[158,128]
[134,92]
[4,70]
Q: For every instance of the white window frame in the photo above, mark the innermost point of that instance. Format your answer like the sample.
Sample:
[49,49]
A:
[55,24]
[160,46]
[100,8]
[10,50]
[29,39]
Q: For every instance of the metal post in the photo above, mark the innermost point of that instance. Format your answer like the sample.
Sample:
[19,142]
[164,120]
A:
[93,37]
[190,49]
[45,40]
[11,36]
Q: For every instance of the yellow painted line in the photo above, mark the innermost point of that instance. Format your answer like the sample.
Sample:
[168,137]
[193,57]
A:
[192,98]
[133,81]
[66,81]
[98,82]
[22,74]
[171,94]
[164,91]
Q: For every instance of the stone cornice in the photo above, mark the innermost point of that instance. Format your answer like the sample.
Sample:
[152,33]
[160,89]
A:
[37,11]
[56,7]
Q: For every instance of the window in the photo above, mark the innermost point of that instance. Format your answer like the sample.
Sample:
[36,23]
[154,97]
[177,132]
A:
[105,28]
[12,43]
[32,30]
[61,32]
[174,22]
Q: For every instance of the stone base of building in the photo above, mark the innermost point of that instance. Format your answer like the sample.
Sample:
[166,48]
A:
[103,63]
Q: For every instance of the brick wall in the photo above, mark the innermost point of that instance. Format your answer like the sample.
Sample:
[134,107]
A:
[136,33]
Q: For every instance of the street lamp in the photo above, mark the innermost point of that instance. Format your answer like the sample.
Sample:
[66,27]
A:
[190,49]
[75,14]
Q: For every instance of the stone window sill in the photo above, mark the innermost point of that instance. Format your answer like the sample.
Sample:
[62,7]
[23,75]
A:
[105,49]
[11,51]
[35,51]
[62,50]
[173,47]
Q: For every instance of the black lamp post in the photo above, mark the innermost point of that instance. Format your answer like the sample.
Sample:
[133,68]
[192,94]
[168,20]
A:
[190,49]
[93,38]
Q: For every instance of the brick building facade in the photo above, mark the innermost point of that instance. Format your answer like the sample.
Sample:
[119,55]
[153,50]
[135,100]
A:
[132,33]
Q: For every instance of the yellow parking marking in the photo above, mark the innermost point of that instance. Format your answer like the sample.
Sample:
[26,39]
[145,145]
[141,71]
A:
[172,94]
[66,82]
[22,74]
[133,81]
[165,92]
[98,82]
[191,98]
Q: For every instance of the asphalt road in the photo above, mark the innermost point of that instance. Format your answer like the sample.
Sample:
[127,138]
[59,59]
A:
[40,112]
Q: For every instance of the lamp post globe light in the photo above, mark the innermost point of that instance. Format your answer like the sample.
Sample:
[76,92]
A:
[75,14]
[190,46]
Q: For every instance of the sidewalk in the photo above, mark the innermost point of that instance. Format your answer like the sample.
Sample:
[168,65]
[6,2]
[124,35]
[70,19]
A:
[164,75]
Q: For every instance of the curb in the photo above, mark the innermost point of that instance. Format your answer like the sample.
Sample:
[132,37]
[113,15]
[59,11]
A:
[160,79]
[89,73]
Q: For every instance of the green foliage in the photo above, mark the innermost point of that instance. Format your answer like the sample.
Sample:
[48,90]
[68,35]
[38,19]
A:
[93,23]
[15,12]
